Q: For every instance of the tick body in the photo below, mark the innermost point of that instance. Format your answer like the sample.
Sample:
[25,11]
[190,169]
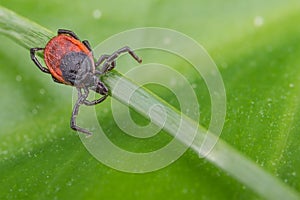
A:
[71,62]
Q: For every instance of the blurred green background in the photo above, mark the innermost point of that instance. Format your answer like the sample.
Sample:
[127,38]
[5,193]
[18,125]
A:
[256,46]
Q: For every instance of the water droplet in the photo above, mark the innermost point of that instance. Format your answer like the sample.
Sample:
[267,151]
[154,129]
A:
[291,85]
[258,21]
[185,190]
[4,152]
[97,14]
[34,111]
[269,100]
[53,128]
[42,91]
[282,97]
[18,78]
[57,189]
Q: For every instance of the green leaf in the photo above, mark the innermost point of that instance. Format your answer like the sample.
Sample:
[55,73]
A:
[42,158]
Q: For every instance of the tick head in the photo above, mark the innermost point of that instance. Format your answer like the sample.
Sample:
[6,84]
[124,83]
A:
[77,68]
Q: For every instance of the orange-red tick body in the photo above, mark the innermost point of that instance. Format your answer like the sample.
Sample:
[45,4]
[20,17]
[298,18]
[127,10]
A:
[56,50]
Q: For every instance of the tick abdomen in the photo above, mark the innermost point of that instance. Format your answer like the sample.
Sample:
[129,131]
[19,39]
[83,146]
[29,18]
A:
[57,48]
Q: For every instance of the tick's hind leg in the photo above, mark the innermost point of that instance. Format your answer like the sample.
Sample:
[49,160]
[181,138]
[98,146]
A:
[110,61]
[80,100]
[73,121]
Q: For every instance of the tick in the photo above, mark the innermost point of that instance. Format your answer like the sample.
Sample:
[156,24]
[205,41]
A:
[71,62]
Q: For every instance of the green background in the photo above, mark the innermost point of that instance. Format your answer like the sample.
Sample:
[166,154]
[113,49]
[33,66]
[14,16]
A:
[256,47]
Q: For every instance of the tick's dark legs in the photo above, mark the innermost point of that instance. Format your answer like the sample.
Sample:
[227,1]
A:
[91,103]
[73,125]
[64,31]
[36,61]
[101,60]
[87,44]
[110,61]
[82,100]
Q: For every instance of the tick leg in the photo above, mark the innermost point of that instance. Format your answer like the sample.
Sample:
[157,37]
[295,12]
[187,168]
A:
[64,31]
[101,60]
[73,125]
[36,61]
[55,80]
[87,44]
[91,103]
[110,61]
